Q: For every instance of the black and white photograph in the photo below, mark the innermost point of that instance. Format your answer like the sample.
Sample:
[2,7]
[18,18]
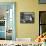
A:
[27,17]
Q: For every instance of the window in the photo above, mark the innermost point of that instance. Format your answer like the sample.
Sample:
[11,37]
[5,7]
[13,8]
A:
[7,21]
[42,22]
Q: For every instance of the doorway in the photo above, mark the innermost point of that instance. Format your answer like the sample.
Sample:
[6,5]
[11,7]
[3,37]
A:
[42,22]
[7,21]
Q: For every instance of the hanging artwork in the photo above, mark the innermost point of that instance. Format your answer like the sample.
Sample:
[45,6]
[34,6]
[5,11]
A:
[26,17]
[42,1]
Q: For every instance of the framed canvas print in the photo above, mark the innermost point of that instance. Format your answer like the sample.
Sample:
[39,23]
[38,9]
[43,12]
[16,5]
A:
[7,20]
[26,17]
[42,1]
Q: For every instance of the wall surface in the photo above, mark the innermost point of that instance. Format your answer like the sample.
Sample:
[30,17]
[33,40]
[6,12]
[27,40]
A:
[27,30]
